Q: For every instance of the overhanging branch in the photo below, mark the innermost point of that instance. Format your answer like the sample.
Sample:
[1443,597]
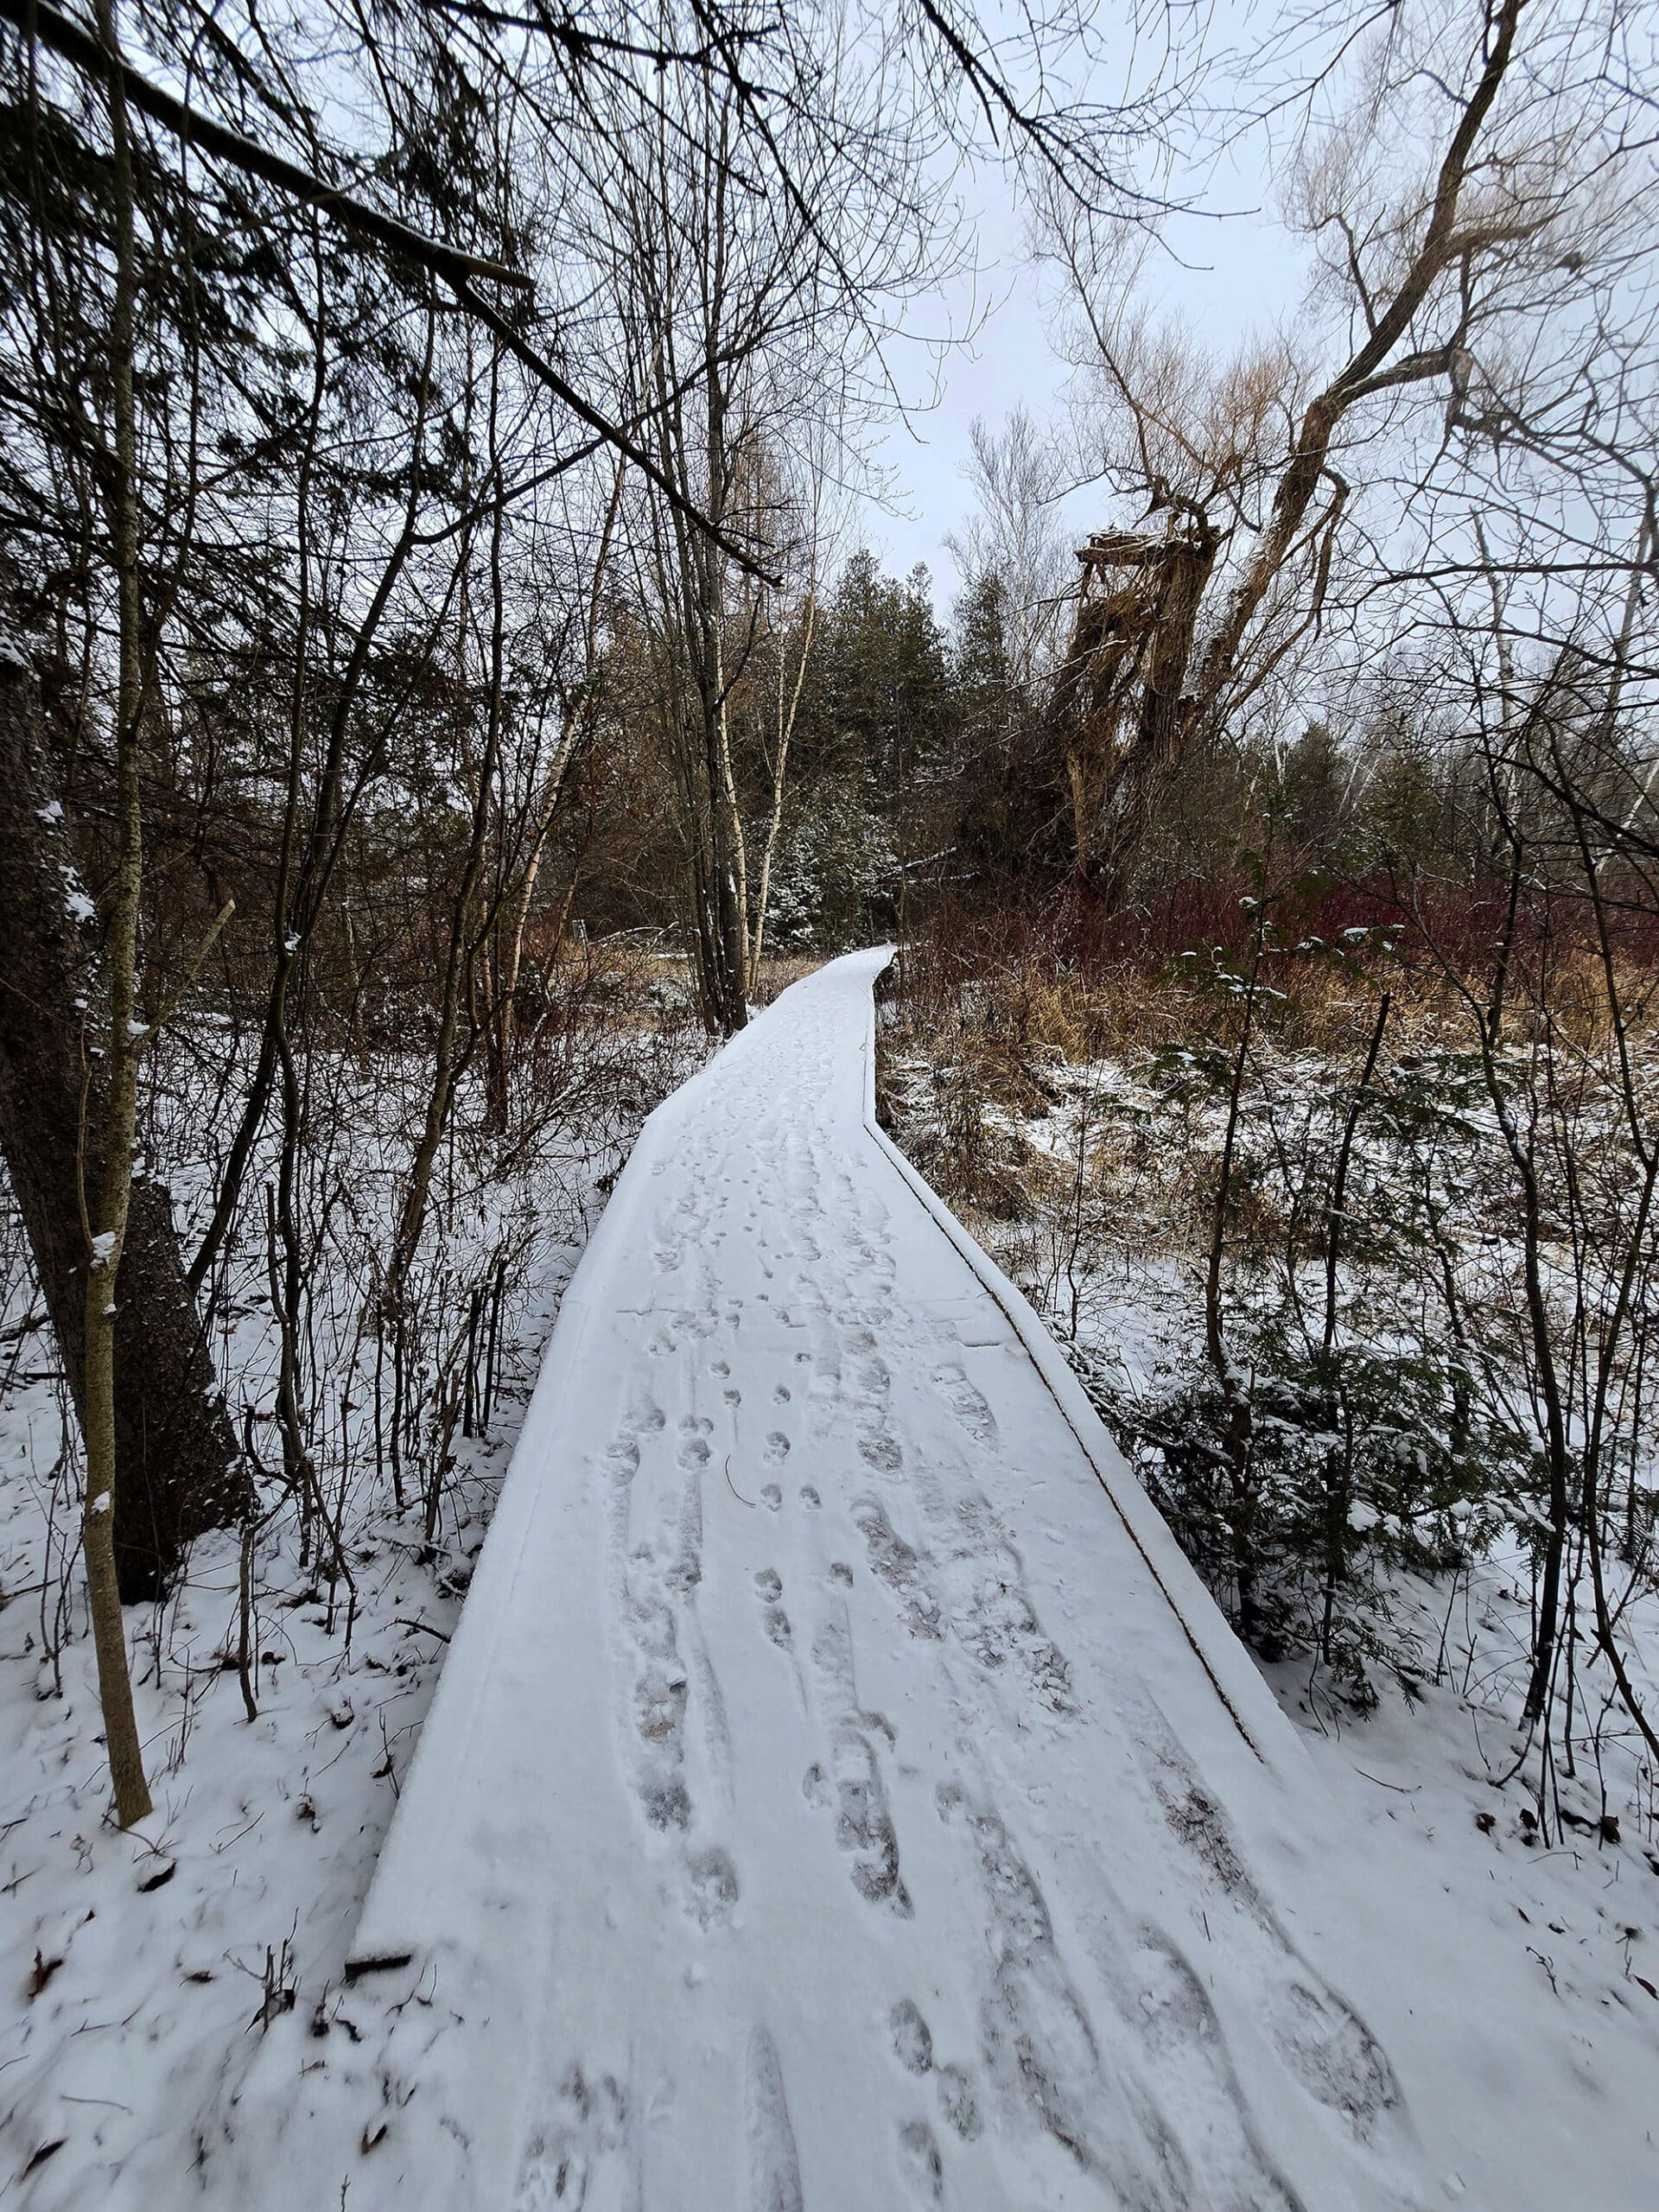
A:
[74,44]
[62,35]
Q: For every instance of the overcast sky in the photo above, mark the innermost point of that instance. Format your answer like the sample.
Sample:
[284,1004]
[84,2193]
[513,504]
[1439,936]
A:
[1240,274]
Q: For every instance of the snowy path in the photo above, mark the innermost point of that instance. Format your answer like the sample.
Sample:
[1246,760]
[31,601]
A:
[840,1795]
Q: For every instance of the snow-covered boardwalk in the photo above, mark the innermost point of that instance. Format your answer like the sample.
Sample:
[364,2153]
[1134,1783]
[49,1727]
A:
[839,1794]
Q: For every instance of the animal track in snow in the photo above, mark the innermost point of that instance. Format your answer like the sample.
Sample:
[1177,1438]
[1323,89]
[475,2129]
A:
[771,1497]
[655,1547]
[864,1828]
[624,1456]
[769,1588]
[687,1570]
[561,2159]
[659,1701]
[810,1497]
[776,1446]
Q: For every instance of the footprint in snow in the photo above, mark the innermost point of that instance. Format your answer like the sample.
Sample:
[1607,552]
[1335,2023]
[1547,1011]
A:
[564,2155]
[919,2161]
[966,1403]
[913,2039]
[1317,2032]
[957,2101]
[712,1887]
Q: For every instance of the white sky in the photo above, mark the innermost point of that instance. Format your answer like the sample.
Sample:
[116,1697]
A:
[1240,274]
[1245,277]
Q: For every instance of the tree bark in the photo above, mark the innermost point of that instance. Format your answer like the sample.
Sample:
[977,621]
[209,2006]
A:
[180,1472]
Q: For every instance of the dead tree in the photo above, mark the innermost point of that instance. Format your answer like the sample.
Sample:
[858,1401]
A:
[1121,710]
[1170,640]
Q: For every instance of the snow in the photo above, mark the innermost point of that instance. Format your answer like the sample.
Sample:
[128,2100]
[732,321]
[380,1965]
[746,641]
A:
[138,1973]
[839,1792]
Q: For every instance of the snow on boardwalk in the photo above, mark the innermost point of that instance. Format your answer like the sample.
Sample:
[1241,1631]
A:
[840,1794]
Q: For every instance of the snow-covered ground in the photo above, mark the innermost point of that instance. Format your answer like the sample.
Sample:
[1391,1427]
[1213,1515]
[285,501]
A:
[138,1973]
[839,1794]
[1540,1941]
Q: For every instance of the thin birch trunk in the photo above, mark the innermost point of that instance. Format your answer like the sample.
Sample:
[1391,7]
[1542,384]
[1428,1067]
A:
[786,731]
[104,1207]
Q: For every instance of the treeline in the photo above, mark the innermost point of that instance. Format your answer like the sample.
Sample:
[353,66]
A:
[415,423]
[1309,981]
[426,444]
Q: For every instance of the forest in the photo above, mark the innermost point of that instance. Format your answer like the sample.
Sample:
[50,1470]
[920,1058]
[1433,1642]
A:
[452,680]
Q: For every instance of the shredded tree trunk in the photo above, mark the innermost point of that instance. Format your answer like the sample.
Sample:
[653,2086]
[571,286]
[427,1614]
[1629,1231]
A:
[1120,704]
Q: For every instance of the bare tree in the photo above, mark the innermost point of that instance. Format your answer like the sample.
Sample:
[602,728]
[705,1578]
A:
[1246,473]
[1016,536]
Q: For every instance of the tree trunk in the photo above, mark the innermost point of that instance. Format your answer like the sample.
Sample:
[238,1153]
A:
[1119,700]
[180,1472]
